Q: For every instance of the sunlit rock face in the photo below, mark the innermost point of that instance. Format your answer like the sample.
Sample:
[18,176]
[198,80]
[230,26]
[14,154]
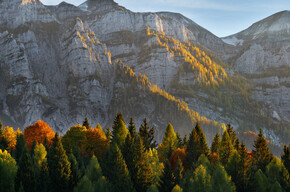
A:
[58,63]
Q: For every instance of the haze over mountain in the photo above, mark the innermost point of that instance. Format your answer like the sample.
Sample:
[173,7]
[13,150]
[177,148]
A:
[61,63]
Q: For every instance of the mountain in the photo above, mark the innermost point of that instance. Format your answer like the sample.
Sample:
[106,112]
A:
[62,63]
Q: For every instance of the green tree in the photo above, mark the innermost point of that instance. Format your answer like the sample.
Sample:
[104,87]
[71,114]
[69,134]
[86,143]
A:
[59,166]
[196,145]
[153,188]
[8,170]
[85,185]
[20,146]
[226,149]
[201,180]
[156,165]
[185,141]
[120,131]
[232,133]
[260,182]
[261,153]
[244,172]
[233,166]
[286,157]
[25,172]
[3,141]
[221,182]
[74,137]
[75,175]
[94,171]
[276,187]
[177,188]
[215,145]
[132,128]
[237,144]
[169,143]
[147,135]
[178,172]
[86,123]
[167,181]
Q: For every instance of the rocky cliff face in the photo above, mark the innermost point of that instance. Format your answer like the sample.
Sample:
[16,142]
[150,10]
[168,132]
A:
[61,63]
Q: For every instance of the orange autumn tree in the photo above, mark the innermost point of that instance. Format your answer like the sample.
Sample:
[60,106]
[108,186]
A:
[178,154]
[38,131]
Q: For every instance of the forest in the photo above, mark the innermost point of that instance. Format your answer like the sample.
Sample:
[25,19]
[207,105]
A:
[124,158]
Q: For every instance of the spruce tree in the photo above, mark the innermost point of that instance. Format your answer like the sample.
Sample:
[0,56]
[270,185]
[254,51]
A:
[20,147]
[215,145]
[286,157]
[132,128]
[261,153]
[25,173]
[232,133]
[120,131]
[86,123]
[233,167]
[75,175]
[201,180]
[276,187]
[147,135]
[169,143]
[42,184]
[167,181]
[237,144]
[197,145]
[178,172]
[220,181]
[8,170]
[59,166]
[244,172]
[184,141]
[260,182]
[226,149]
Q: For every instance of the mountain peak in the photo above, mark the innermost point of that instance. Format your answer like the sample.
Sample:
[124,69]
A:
[97,4]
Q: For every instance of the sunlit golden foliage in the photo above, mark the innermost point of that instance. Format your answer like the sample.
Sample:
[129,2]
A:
[11,136]
[206,70]
[38,131]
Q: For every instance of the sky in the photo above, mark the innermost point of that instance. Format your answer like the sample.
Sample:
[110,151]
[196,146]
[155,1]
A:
[221,17]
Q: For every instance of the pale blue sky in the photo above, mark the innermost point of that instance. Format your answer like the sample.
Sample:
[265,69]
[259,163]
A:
[221,17]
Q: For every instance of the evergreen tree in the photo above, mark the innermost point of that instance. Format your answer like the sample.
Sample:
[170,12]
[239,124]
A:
[147,135]
[226,149]
[169,143]
[286,157]
[94,171]
[153,188]
[177,188]
[203,160]
[167,179]
[178,172]
[86,123]
[115,169]
[156,165]
[32,148]
[75,175]
[120,131]
[233,166]
[20,146]
[85,185]
[260,182]
[276,187]
[108,134]
[196,145]
[132,128]
[25,173]
[215,145]
[237,144]
[221,182]
[185,141]
[59,166]
[261,153]
[179,140]
[201,180]
[42,183]
[232,133]
[244,172]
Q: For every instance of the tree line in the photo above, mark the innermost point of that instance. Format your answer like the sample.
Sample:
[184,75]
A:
[124,159]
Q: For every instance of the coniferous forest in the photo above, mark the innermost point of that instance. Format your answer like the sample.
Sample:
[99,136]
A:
[87,159]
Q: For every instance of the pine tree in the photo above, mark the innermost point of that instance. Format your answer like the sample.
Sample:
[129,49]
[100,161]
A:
[185,141]
[120,131]
[156,165]
[115,169]
[20,147]
[85,185]
[286,157]
[201,180]
[261,153]
[169,143]
[108,134]
[59,166]
[94,171]
[25,173]
[276,187]
[153,188]
[233,167]
[232,133]
[86,123]
[179,140]
[178,172]
[226,149]
[244,172]
[147,135]
[260,182]
[75,175]
[43,179]
[167,179]
[237,144]
[132,128]
[220,181]
[196,145]
[177,188]
[32,148]
[215,146]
